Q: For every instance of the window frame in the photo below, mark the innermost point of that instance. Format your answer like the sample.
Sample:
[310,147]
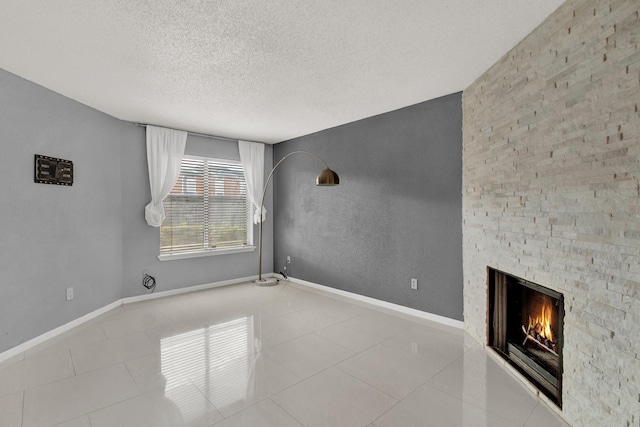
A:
[204,252]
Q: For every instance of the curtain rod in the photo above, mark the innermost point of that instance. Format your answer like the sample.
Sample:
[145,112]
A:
[192,133]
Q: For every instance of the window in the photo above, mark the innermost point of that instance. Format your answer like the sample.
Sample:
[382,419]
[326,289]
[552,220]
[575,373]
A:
[207,209]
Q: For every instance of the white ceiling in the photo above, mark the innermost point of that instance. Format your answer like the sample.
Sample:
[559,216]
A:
[262,70]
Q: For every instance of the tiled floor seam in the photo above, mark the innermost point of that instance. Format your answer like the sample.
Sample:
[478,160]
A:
[73,365]
[470,403]
[538,403]
[22,415]
[284,410]
[370,385]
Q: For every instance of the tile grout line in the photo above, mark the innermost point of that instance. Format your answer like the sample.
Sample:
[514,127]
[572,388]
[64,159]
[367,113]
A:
[538,402]
[285,411]
[73,365]
[485,410]
[24,396]
[206,397]
[346,373]
[420,386]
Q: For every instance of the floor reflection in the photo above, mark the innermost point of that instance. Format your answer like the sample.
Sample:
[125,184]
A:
[218,358]
[161,407]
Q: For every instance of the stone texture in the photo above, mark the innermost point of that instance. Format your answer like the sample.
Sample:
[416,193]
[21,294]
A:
[551,193]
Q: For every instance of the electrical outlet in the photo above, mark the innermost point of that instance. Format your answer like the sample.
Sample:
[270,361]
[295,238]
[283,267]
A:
[288,259]
[69,294]
[414,284]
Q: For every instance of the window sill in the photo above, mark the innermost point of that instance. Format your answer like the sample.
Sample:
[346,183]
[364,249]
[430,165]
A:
[211,252]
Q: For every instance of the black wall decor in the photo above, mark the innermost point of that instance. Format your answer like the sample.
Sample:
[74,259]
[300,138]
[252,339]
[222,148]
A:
[50,170]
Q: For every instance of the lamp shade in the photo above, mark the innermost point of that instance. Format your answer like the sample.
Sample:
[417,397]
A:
[327,178]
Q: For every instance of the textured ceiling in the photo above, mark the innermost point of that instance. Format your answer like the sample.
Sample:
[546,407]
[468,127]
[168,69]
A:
[265,70]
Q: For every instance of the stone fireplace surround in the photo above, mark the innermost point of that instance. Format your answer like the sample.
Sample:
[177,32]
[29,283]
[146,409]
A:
[551,193]
[515,304]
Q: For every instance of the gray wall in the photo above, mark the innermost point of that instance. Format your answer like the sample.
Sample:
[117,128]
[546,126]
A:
[93,235]
[395,215]
[54,237]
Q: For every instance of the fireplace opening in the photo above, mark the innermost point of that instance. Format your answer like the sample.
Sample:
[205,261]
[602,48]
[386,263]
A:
[525,328]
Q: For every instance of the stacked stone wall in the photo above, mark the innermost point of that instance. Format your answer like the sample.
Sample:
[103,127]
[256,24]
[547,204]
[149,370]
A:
[551,193]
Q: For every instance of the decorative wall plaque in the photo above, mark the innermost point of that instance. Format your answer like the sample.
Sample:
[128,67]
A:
[50,170]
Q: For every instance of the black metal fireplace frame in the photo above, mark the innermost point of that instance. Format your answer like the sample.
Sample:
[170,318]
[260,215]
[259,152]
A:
[496,334]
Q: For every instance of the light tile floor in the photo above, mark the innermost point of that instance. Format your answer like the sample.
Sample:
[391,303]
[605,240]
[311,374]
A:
[249,356]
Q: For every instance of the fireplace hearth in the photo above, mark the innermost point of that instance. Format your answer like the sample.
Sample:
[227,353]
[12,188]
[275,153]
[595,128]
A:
[525,328]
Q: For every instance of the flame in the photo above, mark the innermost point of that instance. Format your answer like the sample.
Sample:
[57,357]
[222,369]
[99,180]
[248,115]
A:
[542,323]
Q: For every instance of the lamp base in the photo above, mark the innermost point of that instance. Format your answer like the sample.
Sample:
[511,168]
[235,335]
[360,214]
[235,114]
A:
[266,281]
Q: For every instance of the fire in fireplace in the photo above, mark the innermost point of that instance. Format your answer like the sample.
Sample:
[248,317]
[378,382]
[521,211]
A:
[525,328]
[541,327]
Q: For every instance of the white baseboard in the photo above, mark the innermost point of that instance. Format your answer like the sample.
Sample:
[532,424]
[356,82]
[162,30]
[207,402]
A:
[128,300]
[379,303]
[57,331]
[8,354]
[188,289]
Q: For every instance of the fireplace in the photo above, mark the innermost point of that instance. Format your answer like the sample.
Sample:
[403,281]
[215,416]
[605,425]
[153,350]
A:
[525,328]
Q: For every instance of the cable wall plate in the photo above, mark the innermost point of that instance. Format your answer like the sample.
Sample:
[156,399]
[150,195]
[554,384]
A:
[50,170]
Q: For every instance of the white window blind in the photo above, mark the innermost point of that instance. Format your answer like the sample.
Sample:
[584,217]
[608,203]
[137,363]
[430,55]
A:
[208,208]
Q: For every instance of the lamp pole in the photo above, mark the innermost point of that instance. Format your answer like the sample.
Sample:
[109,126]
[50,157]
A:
[325,178]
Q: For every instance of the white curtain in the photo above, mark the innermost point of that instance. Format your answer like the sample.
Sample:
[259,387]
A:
[252,159]
[165,148]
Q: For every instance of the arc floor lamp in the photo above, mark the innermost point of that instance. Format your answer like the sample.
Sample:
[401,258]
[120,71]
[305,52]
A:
[326,178]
